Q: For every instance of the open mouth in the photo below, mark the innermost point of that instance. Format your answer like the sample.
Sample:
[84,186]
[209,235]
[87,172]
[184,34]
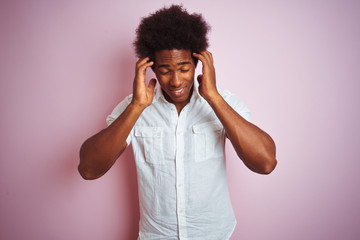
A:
[178,93]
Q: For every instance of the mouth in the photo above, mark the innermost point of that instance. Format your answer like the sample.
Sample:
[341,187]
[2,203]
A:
[178,93]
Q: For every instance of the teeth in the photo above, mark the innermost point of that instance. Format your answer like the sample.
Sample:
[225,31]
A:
[178,91]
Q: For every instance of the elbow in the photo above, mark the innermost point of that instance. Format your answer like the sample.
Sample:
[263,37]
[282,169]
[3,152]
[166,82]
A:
[86,169]
[87,172]
[268,166]
[263,163]
[269,160]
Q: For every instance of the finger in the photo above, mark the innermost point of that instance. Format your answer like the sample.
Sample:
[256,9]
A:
[203,57]
[146,65]
[209,54]
[152,84]
[143,62]
[199,56]
[203,60]
[141,67]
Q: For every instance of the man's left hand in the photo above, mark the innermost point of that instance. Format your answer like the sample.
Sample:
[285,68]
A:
[207,80]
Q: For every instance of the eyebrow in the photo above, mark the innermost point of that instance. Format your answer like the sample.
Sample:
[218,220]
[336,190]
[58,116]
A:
[180,63]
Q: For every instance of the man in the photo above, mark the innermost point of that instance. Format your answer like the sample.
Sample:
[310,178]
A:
[177,130]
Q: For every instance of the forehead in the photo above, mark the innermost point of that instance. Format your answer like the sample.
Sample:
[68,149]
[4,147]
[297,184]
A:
[173,57]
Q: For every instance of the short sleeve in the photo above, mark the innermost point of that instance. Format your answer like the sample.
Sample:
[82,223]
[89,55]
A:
[237,104]
[118,110]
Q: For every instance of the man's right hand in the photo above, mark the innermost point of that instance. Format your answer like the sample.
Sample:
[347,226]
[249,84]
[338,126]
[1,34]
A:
[99,152]
[142,94]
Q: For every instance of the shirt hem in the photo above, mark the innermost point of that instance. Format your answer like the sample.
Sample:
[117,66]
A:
[232,231]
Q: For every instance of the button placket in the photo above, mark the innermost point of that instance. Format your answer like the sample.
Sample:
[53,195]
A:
[180,178]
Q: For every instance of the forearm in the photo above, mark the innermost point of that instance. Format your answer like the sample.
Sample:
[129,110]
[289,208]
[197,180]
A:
[255,147]
[99,152]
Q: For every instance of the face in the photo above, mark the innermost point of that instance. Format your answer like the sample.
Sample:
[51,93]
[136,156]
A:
[175,71]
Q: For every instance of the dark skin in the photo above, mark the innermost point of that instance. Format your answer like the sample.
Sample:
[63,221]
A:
[174,70]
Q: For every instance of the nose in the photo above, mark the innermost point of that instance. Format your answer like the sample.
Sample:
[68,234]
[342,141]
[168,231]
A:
[175,80]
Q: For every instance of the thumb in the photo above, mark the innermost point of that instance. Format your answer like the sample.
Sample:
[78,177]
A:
[152,84]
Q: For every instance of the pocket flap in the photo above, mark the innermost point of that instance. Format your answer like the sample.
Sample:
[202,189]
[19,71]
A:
[207,127]
[148,132]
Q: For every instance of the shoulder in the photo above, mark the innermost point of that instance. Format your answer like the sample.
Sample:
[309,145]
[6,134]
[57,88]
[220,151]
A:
[230,98]
[119,109]
[236,103]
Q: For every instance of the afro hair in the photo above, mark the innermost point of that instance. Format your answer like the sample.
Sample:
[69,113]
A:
[171,28]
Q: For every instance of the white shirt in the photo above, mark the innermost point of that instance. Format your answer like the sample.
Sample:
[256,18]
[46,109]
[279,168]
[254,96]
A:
[181,172]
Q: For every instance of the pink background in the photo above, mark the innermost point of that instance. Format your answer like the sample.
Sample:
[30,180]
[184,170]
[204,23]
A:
[66,64]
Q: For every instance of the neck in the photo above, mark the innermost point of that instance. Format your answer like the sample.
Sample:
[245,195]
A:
[180,105]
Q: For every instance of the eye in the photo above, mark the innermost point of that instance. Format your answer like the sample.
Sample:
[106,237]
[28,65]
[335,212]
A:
[184,70]
[163,73]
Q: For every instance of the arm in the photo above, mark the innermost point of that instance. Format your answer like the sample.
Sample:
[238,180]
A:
[99,152]
[255,147]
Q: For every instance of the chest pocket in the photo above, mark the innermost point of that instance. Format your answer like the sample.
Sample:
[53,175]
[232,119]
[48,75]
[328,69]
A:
[150,141]
[209,140]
